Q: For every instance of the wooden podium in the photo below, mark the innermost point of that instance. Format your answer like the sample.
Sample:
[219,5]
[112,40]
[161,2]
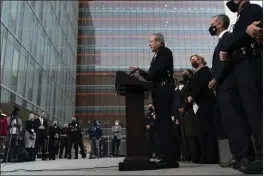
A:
[135,92]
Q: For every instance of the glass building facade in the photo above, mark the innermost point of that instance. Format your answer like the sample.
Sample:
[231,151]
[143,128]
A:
[38,56]
[114,35]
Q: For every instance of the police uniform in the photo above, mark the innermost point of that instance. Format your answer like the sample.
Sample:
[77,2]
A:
[247,55]
[74,131]
[161,75]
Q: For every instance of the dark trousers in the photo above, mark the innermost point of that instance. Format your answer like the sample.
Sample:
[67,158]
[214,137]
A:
[63,145]
[96,148]
[153,141]
[115,146]
[53,148]
[12,148]
[41,141]
[73,139]
[31,152]
[162,101]
[235,123]
[208,138]
[248,76]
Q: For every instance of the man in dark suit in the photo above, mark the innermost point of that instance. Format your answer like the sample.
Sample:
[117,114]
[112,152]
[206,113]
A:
[246,51]
[161,75]
[41,125]
[228,98]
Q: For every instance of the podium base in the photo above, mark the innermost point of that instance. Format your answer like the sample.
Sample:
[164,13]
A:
[137,164]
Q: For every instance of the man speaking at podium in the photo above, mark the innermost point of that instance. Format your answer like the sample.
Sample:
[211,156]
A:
[161,75]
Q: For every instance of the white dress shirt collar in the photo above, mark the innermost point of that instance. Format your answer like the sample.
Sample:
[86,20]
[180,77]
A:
[222,33]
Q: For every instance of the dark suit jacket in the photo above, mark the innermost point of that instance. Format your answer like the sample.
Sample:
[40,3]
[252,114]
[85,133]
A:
[222,71]
[38,124]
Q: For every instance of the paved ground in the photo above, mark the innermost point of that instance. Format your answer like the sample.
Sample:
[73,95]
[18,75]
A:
[104,166]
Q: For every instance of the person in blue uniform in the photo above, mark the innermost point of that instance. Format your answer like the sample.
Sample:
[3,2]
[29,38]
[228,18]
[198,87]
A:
[246,52]
[228,98]
[161,75]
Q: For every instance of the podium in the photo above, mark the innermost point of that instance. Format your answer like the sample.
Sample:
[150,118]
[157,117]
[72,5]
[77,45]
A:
[135,92]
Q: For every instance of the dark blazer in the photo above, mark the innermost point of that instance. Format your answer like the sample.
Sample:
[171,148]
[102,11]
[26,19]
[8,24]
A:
[222,71]
[38,124]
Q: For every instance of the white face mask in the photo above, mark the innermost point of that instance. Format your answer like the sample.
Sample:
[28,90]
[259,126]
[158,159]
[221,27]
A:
[116,123]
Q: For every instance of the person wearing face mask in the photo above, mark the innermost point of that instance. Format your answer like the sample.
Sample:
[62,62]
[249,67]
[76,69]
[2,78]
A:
[41,129]
[228,98]
[205,99]
[54,131]
[116,129]
[246,52]
[74,131]
[190,127]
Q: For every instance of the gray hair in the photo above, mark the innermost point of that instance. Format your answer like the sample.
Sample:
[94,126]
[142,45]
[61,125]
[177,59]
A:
[159,37]
[225,19]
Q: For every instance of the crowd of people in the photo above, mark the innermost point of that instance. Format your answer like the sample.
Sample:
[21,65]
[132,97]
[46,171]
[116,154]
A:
[36,138]
[189,116]
[24,142]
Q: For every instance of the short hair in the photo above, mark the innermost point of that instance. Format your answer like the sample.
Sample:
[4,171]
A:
[159,37]
[225,19]
[200,57]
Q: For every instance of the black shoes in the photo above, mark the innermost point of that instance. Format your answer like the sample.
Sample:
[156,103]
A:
[165,164]
[255,167]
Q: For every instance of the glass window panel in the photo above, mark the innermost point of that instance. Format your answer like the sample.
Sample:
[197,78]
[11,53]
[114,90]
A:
[36,83]
[13,16]
[4,95]
[8,64]
[5,12]
[30,78]
[27,21]
[3,54]
[21,81]
[15,69]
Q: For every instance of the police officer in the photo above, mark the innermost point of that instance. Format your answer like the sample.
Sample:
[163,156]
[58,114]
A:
[74,131]
[63,141]
[247,54]
[53,140]
[161,75]
[228,98]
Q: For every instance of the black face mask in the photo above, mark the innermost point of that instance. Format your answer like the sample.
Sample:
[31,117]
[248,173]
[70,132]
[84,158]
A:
[233,7]
[151,109]
[212,30]
[185,77]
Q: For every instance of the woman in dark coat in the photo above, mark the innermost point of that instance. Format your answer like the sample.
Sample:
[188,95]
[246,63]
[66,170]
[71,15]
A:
[205,99]
[189,122]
